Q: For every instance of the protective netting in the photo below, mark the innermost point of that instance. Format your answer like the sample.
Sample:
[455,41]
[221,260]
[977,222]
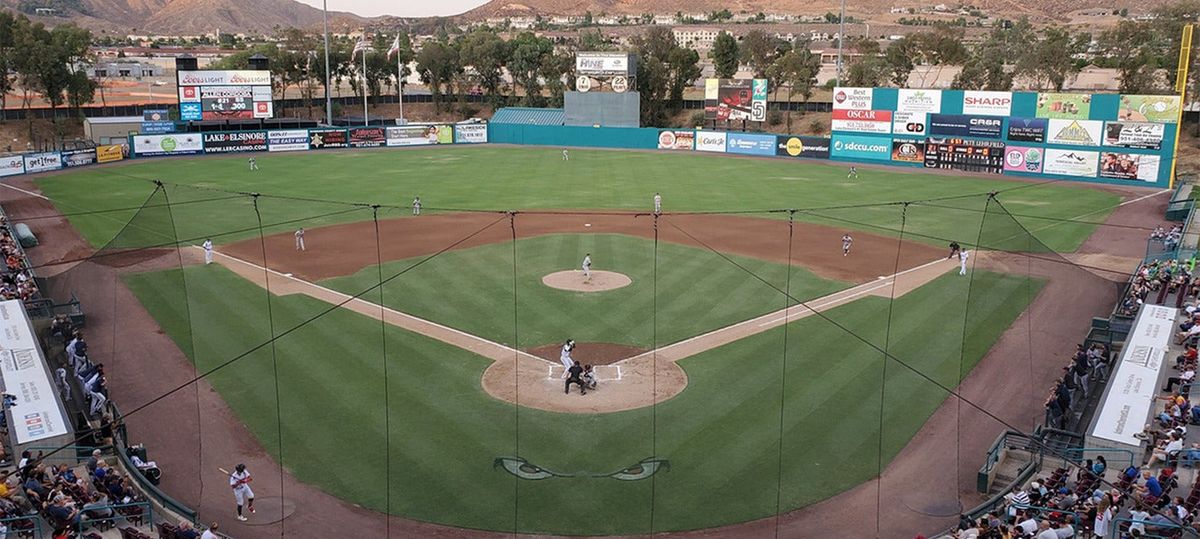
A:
[806,371]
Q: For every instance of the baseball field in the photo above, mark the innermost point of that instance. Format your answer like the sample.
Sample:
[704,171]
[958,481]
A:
[409,364]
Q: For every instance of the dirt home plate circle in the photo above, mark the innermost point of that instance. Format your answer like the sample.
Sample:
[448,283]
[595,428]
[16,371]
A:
[574,281]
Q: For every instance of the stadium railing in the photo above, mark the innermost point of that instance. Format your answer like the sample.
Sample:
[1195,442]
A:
[156,495]
[34,527]
[71,454]
[1009,439]
[135,513]
[1118,527]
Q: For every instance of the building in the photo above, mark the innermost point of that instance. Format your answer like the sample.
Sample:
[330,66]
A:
[129,69]
[696,37]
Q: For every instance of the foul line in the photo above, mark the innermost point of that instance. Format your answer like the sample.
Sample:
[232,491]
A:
[30,193]
[771,318]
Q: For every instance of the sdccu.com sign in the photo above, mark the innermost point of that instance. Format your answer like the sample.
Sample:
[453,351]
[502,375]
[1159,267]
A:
[851,147]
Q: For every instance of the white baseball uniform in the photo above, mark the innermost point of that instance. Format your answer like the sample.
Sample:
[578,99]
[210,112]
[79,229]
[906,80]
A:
[566,156]
[208,252]
[587,266]
[300,240]
[241,488]
[417,206]
[253,164]
[657,203]
[846,241]
[565,357]
[962,261]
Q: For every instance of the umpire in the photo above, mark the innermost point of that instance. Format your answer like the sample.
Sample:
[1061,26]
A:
[573,377]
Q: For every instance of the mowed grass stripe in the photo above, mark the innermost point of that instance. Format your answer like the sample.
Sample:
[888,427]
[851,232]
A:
[501,178]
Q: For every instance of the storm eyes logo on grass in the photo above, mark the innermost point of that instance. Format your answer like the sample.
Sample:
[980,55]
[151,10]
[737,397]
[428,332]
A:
[531,472]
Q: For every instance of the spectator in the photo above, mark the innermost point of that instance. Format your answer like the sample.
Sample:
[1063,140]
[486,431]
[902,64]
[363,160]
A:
[186,531]
[211,532]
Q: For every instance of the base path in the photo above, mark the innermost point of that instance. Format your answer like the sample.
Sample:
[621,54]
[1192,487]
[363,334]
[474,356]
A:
[639,381]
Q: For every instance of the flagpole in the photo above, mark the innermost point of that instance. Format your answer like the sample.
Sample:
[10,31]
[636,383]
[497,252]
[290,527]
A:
[400,77]
[328,69]
[366,120]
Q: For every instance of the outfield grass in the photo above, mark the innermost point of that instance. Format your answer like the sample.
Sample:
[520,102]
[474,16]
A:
[722,434]
[697,290]
[536,178]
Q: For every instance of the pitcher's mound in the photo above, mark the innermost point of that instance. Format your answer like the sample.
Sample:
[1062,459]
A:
[574,280]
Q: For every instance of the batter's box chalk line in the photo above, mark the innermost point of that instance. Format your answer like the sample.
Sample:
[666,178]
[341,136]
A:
[604,373]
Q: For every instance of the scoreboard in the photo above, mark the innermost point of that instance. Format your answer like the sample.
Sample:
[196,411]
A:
[221,95]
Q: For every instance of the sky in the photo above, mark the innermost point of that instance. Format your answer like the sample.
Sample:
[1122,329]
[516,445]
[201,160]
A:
[402,8]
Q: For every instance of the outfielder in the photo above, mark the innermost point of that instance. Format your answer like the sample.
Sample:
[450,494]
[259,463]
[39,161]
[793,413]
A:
[962,261]
[240,480]
[587,266]
[566,156]
[417,206]
[300,239]
[565,356]
[253,164]
[208,251]
[853,172]
[657,203]
[846,241]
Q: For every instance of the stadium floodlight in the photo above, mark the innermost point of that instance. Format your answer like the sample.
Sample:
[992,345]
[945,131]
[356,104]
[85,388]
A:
[841,39]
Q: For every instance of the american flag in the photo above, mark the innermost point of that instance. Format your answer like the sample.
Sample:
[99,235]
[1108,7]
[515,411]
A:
[361,46]
[395,48]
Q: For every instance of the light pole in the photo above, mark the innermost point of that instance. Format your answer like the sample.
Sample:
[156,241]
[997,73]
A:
[841,39]
[328,68]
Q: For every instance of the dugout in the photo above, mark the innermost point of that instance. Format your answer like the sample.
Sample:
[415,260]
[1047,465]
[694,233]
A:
[35,414]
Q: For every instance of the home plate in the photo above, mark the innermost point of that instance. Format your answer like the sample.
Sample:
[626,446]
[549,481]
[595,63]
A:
[587,224]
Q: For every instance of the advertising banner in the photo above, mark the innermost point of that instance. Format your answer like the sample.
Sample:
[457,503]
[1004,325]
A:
[908,150]
[1075,132]
[735,99]
[291,140]
[155,122]
[1149,108]
[1071,163]
[1142,135]
[445,134]
[602,64]
[224,78]
[805,147]
[855,147]
[411,135]
[191,111]
[960,125]
[240,141]
[750,144]
[966,155]
[368,137]
[1064,106]
[470,134]
[909,123]
[1127,166]
[319,139]
[853,98]
[919,101]
[711,141]
[35,411]
[110,153]
[1027,129]
[79,158]
[41,162]
[181,144]
[983,103]
[676,140]
[862,121]
[1023,159]
[12,165]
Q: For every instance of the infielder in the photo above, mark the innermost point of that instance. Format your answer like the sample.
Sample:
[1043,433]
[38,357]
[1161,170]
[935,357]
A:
[853,172]
[657,203]
[253,164]
[962,261]
[300,239]
[207,251]
[566,156]
[417,206]
[587,266]
[846,241]
[565,356]
[240,480]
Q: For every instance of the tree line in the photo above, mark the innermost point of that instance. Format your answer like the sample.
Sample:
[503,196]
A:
[51,62]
